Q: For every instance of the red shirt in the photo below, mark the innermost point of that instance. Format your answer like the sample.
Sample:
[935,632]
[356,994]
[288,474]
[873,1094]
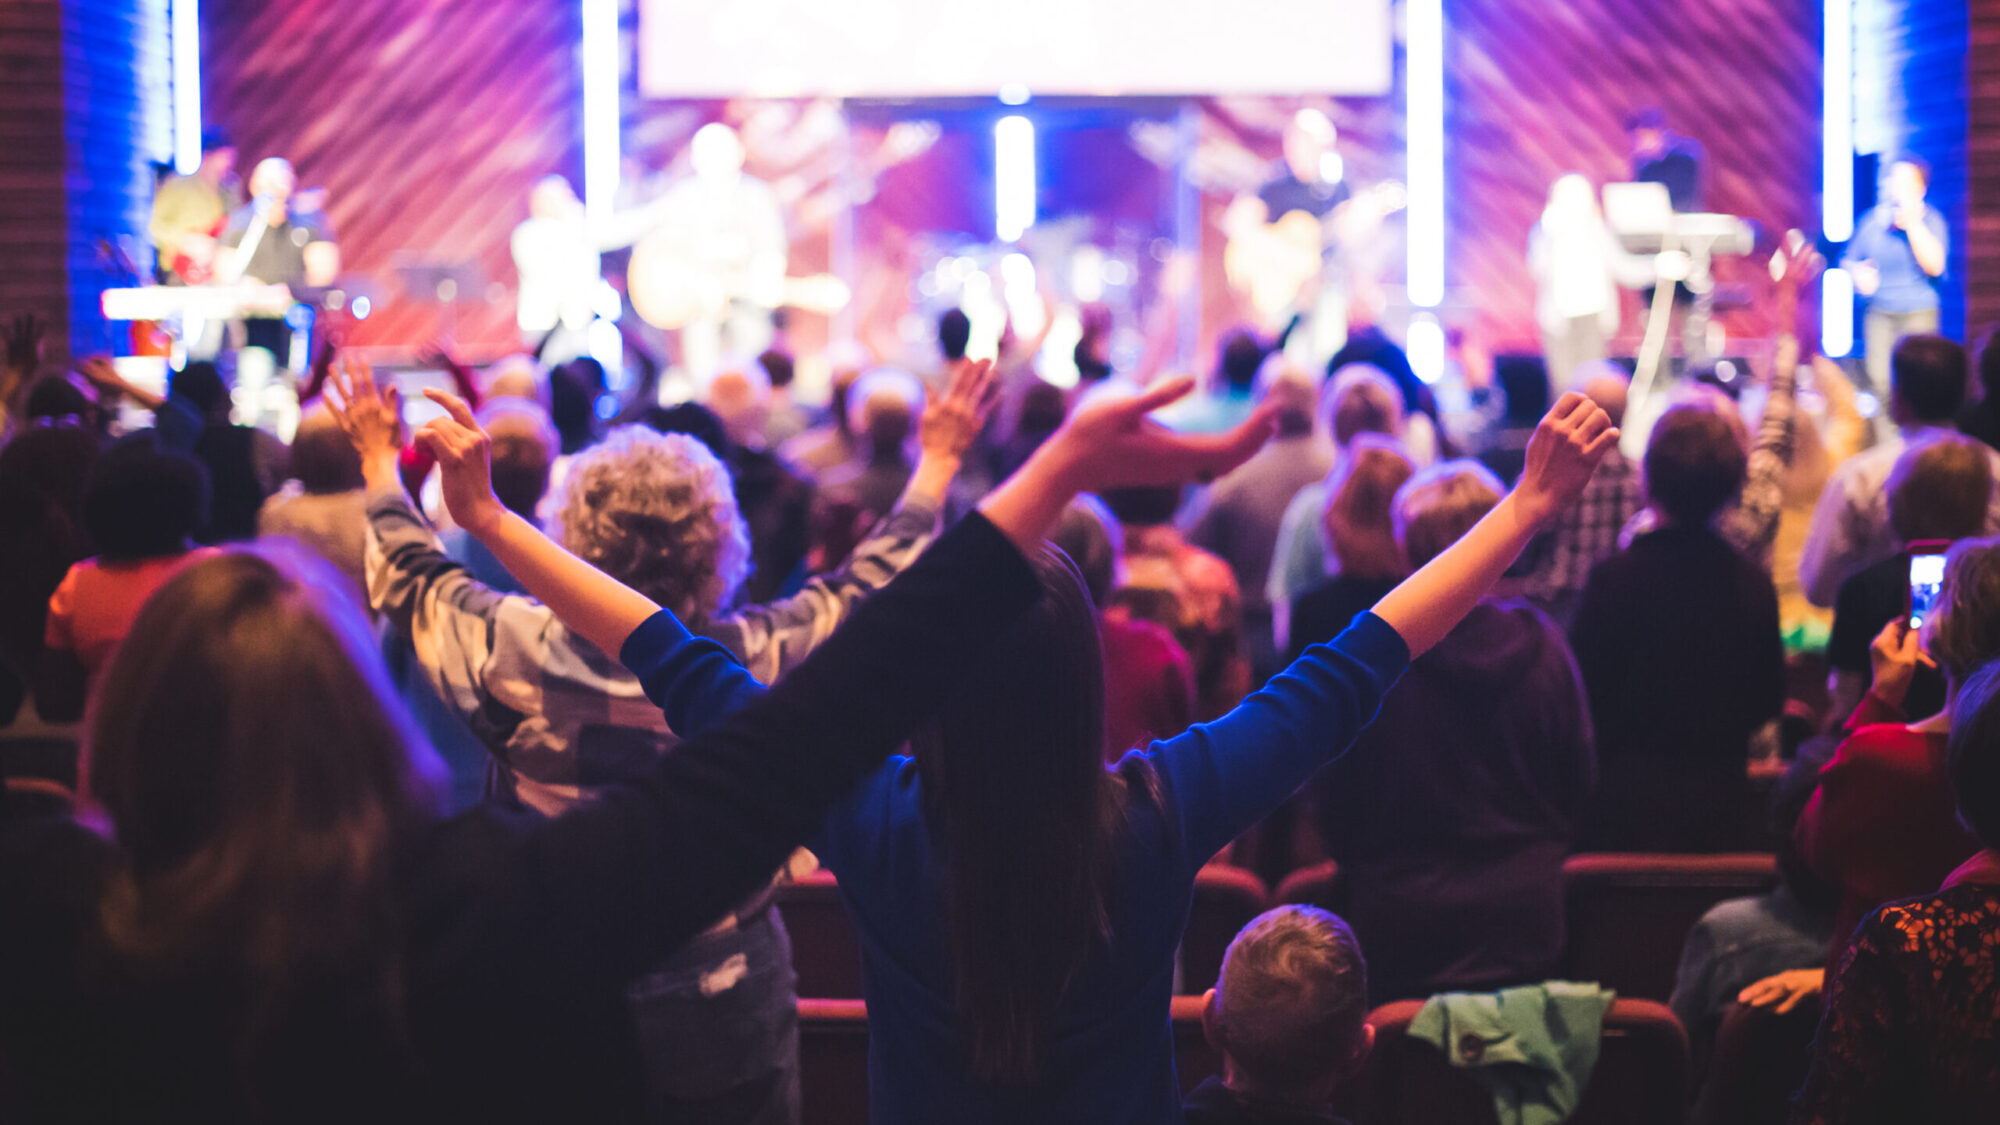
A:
[1148,683]
[94,607]
[1883,824]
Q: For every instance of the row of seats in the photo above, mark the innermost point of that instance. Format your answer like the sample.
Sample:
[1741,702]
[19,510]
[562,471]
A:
[1628,917]
[1640,1078]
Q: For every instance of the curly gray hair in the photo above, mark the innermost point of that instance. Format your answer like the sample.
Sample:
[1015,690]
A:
[658,513]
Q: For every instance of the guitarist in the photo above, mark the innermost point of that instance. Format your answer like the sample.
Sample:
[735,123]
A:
[1287,241]
[189,212]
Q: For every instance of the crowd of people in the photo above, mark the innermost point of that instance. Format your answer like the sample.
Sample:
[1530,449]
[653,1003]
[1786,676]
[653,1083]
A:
[451,772]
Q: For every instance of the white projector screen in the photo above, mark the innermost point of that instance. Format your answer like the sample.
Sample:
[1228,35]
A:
[961,48]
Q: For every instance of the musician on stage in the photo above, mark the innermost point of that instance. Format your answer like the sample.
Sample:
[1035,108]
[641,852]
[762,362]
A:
[271,241]
[1309,180]
[1661,157]
[725,232]
[1578,267]
[1896,256]
[189,212]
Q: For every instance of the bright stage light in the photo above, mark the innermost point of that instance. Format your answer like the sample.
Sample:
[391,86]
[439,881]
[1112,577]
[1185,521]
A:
[1836,313]
[601,153]
[1837,125]
[1424,120]
[184,21]
[1425,347]
[1013,177]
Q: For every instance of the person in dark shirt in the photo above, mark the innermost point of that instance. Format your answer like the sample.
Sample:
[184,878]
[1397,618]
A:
[1981,419]
[1937,490]
[244,463]
[1660,157]
[1451,817]
[1677,639]
[294,246]
[1289,1017]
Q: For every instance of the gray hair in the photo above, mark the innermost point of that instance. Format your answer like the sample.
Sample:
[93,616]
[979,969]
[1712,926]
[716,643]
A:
[658,512]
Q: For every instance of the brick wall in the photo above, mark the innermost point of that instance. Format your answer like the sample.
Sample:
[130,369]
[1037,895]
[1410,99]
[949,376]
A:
[33,223]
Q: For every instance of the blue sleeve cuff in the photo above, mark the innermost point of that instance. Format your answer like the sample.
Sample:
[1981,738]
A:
[1377,644]
[650,651]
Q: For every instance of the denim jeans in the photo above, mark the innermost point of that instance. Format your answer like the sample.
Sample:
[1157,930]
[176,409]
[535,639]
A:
[718,1025]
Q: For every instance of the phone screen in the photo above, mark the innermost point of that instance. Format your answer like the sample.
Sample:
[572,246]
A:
[1926,578]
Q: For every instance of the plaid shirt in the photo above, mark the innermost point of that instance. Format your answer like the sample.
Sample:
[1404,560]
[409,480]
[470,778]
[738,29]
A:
[1588,531]
[560,717]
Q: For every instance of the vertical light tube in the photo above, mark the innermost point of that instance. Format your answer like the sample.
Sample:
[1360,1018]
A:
[1423,115]
[601,155]
[1837,123]
[1013,177]
[184,19]
[1836,313]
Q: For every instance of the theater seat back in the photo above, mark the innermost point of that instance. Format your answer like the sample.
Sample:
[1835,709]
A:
[1640,1077]
[1225,899]
[1759,1061]
[825,949]
[1630,913]
[833,1057]
[833,1062]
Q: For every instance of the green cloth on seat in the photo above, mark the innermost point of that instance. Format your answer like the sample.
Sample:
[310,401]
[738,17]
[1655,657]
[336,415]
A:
[1532,1047]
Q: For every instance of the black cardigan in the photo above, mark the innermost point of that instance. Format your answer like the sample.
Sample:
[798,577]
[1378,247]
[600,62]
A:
[522,932]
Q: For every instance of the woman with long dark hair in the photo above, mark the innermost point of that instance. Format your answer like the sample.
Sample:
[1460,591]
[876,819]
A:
[1020,905]
[280,926]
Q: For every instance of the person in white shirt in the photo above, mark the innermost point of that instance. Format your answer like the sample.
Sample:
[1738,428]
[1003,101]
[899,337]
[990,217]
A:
[1578,266]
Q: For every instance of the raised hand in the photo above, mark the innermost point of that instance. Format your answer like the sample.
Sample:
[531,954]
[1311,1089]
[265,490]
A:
[22,339]
[1110,443]
[952,420]
[1894,656]
[1562,454]
[464,454]
[99,370]
[371,415]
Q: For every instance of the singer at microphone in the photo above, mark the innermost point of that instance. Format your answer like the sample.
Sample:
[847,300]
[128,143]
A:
[276,240]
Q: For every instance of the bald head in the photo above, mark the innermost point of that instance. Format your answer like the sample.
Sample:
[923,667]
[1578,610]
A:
[524,448]
[1607,385]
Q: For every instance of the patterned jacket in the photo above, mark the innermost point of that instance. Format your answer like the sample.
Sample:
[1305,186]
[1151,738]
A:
[560,717]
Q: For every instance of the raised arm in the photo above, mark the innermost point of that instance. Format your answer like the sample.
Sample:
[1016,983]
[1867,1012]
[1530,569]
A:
[776,636]
[633,873]
[1562,454]
[1225,775]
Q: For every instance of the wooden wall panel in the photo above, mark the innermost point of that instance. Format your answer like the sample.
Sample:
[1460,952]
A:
[1982,226]
[33,218]
[427,121]
[1537,89]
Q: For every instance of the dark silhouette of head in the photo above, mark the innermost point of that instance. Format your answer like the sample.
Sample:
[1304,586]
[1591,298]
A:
[1241,355]
[142,501]
[1927,376]
[1694,464]
[954,332]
